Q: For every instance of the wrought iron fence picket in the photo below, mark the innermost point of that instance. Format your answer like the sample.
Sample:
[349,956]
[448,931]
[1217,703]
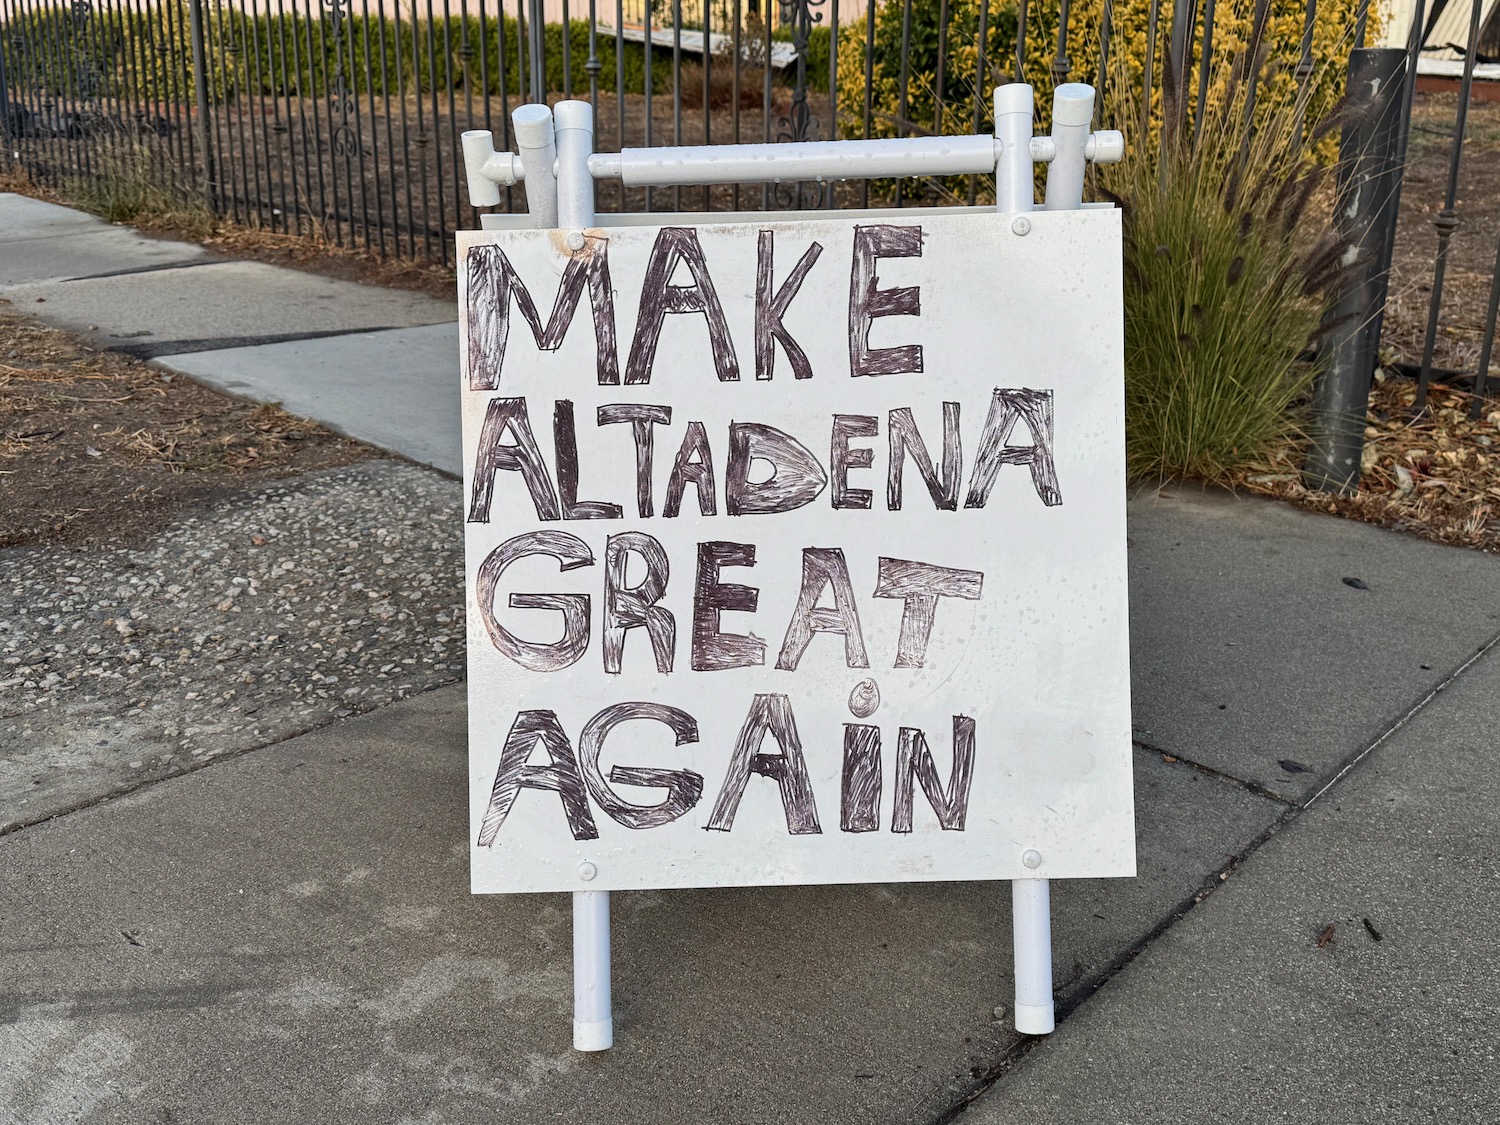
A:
[981,80]
[1447,218]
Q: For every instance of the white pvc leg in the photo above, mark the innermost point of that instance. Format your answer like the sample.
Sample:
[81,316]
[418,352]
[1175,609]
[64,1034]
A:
[1072,110]
[1031,919]
[593,1025]
[538,144]
[575,186]
[1015,190]
[593,1022]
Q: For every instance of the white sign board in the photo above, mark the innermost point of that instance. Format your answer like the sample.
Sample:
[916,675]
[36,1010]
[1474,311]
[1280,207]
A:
[796,552]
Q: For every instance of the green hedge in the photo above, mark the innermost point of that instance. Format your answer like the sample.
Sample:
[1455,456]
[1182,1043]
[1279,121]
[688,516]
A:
[130,55]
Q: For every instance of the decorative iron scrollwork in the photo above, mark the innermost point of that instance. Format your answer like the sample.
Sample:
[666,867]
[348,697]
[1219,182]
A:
[86,76]
[798,123]
[342,103]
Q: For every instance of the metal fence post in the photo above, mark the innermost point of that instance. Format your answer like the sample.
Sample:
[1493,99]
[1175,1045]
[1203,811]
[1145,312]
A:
[4,102]
[1363,217]
[200,95]
[536,31]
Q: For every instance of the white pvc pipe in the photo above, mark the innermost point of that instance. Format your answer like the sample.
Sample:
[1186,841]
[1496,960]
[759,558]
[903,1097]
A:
[487,170]
[1030,899]
[575,187]
[1072,110]
[1031,922]
[538,145]
[1107,146]
[1010,153]
[593,1023]
[1014,113]
[880,158]
[593,1020]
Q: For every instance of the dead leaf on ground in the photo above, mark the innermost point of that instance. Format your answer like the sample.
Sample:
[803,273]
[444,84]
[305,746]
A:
[1436,475]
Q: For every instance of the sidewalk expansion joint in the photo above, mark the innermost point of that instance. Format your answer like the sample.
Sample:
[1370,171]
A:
[1208,771]
[176,772]
[156,349]
[157,268]
[1072,995]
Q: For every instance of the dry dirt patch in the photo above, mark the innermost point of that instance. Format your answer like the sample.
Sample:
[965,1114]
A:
[97,447]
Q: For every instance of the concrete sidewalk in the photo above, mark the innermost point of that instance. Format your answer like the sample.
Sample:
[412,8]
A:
[375,364]
[1346,973]
[287,935]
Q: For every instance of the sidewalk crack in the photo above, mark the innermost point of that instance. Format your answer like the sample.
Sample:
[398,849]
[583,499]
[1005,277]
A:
[1173,758]
[1411,713]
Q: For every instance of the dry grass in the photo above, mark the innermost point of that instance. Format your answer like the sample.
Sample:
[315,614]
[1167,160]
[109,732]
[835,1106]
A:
[1436,475]
[1228,263]
[721,89]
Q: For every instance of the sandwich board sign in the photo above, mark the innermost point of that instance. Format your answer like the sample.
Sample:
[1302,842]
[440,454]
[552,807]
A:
[796,551]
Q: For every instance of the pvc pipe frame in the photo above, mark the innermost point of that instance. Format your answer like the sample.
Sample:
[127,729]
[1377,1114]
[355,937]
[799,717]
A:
[558,167]
[1009,153]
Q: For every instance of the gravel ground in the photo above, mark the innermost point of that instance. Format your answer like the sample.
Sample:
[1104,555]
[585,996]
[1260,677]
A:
[299,603]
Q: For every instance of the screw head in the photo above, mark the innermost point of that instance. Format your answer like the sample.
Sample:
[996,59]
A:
[587,871]
[575,240]
[1031,858]
[1020,225]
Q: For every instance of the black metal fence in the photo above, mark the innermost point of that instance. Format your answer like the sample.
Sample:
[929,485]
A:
[341,118]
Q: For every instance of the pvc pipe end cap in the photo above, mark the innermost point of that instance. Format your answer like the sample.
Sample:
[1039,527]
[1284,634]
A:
[1014,97]
[1072,104]
[574,115]
[597,1036]
[1031,1019]
[533,124]
[1109,146]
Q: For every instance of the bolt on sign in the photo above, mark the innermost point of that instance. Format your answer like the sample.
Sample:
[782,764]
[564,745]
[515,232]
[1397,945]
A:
[796,552]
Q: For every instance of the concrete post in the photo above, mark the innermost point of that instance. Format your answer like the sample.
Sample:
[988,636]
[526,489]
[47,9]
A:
[1366,181]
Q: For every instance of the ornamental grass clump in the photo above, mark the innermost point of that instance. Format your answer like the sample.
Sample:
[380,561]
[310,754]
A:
[136,183]
[1229,259]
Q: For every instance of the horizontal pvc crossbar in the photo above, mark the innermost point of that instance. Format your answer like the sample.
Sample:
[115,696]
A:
[880,158]
[810,160]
